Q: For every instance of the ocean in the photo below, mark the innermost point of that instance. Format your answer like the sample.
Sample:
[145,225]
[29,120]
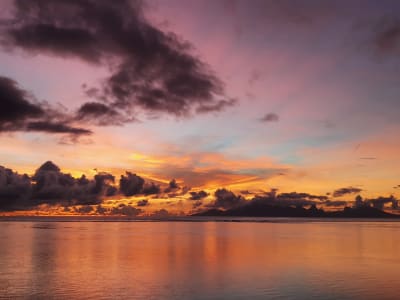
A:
[234,258]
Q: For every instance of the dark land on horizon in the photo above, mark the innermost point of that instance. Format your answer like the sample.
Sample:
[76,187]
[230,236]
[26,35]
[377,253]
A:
[252,211]
[266,210]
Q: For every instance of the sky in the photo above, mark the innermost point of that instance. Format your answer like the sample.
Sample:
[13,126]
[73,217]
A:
[246,97]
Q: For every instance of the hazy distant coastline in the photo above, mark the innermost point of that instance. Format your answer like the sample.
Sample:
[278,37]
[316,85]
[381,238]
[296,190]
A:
[274,215]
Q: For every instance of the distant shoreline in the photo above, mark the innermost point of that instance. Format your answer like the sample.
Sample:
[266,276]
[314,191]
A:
[195,219]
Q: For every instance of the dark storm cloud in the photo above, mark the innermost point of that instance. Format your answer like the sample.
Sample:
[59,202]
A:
[51,186]
[21,112]
[15,189]
[345,191]
[198,195]
[16,106]
[270,117]
[102,184]
[151,189]
[226,199]
[151,70]
[131,184]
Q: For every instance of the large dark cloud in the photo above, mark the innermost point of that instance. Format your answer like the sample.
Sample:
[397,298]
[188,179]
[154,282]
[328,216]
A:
[21,112]
[226,199]
[15,189]
[131,184]
[51,186]
[151,189]
[102,184]
[345,191]
[16,106]
[151,70]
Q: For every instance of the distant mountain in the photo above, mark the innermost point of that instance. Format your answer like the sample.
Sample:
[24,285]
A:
[266,210]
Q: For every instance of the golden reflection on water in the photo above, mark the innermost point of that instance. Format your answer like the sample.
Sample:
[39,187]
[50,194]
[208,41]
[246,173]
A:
[197,260]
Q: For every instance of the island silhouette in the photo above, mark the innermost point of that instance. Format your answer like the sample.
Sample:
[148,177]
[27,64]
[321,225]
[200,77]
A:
[266,210]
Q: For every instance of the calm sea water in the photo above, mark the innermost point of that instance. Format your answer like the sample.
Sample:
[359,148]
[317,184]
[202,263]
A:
[200,260]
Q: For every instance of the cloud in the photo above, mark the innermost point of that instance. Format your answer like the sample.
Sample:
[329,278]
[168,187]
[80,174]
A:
[216,107]
[172,186]
[197,204]
[101,115]
[85,209]
[387,39]
[380,202]
[226,199]
[51,186]
[126,210]
[131,184]
[102,184]
[22,112]
[17,107]
[270,117]
[198,195]
[345,191]
[288,199]
[300,196]
[151,189]
[162,213]
[15,189]
[100,210]
[337,203]
[150,70]
[45,126]
[143,202]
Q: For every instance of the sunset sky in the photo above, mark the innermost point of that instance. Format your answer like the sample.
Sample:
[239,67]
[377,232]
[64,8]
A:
[297,96]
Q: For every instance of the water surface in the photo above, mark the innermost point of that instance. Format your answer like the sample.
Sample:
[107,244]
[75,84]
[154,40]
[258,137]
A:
[199,260]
